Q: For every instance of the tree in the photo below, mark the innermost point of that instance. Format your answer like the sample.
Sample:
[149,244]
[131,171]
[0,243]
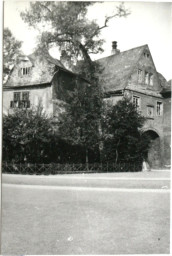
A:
[66,26]
[11,47]
[28,136]
[79,124]
[123,139]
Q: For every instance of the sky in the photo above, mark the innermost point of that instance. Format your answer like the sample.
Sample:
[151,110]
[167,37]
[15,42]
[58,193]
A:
[149,23]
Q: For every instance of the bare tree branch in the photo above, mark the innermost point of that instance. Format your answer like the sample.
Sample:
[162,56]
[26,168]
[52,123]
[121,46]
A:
[44,6]
[121,11]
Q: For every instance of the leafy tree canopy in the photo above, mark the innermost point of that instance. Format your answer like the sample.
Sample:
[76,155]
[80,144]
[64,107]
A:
[11,47]
[79,124]
[27,136]
[123,139]
[68,27]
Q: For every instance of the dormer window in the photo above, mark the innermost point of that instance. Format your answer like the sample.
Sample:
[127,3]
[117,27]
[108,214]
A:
[25,71]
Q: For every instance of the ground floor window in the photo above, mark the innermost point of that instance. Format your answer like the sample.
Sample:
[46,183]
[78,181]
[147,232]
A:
[20,100]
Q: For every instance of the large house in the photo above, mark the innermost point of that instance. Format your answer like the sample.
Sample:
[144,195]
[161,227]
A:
[40,78]
[133,74]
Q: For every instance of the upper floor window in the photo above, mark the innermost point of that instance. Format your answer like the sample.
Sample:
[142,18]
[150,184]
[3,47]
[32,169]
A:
[159,108]
[25,71]
[140,75]
[151,79]
[146,78]
[136,102]
[150,111]
[146,55]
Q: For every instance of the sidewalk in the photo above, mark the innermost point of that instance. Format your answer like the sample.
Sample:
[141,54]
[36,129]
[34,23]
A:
[154,179]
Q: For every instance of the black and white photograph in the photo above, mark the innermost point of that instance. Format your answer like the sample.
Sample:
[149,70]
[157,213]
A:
[86,127]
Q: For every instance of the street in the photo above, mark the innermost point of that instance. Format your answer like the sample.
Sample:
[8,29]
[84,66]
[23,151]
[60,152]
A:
[90,215]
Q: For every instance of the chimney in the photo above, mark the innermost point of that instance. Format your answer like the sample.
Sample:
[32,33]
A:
[114,48]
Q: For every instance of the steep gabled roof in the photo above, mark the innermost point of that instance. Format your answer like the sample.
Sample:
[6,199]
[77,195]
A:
[118,67]
[43,69]
[44,54]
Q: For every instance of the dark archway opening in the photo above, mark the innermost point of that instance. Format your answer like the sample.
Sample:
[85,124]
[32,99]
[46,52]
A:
[154,153]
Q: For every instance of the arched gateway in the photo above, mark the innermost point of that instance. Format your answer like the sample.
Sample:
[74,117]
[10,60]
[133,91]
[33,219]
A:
[154,153]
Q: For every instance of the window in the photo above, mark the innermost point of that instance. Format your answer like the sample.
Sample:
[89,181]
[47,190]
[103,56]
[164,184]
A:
[146,78]
[146,55]
[136,102]
[150,111]
[150,79]
[25,71]
[159,108]
[17,96]
[140,75]
[25,96]
[20,100]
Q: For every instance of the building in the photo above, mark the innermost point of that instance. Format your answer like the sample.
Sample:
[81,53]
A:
[133,74]
[40,78]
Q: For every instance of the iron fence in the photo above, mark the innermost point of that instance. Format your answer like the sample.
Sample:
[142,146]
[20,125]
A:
[54,168]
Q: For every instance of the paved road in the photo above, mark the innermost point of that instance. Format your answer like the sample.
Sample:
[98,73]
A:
[75,220]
